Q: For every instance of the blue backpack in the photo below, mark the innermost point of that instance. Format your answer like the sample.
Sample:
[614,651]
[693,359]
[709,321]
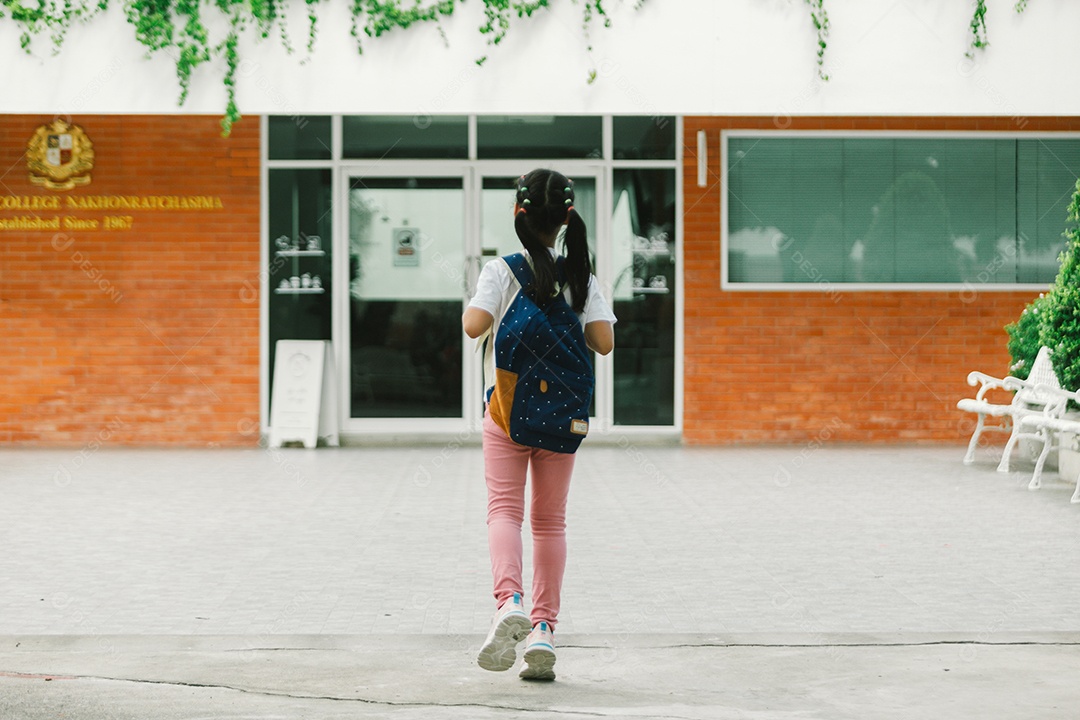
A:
[543,370]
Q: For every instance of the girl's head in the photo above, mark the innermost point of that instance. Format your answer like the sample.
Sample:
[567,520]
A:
[545,202]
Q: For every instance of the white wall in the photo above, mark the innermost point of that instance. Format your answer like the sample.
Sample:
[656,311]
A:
[672,56]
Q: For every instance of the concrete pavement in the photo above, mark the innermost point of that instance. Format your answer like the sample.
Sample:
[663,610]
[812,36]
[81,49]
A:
[762,582]
[411,676]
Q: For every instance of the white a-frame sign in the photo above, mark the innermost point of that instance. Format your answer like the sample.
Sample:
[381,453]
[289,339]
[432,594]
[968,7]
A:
[303,405]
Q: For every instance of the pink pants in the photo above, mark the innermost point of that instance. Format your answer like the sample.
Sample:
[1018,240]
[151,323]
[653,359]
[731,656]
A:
[505,465]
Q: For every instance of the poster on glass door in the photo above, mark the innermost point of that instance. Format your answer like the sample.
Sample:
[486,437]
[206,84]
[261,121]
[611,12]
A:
[406,247]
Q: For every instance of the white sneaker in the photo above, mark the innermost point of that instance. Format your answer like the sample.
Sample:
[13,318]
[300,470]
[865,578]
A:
[508,628]
[539,654]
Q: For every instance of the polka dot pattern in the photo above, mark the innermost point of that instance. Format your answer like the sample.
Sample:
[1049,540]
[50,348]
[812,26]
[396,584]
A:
[545,348]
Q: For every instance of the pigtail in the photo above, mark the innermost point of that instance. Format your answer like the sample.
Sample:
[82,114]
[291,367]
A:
[578,266]
[543,266]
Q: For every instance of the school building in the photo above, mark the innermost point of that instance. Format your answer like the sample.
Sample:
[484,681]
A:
[798,271]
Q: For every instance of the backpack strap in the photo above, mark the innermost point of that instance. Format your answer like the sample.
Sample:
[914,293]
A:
[519,265]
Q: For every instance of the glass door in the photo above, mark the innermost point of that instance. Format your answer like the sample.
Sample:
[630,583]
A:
[496,186]
[406,285]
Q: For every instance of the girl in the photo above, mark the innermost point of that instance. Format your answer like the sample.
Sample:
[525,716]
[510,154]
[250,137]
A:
[544,203]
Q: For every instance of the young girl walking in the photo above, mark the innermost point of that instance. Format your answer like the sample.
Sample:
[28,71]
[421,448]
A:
[544,204]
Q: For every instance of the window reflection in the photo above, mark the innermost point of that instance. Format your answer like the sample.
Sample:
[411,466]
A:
[539,136]
[643,235]
[299,137]
[644,138]
[406,260]
[392,137]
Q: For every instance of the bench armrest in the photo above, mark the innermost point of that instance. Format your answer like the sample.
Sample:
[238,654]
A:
[1015,384]
[1057,399]
[988,382]
[974,378]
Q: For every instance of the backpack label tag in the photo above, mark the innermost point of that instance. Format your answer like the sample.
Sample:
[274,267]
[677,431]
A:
[579,427]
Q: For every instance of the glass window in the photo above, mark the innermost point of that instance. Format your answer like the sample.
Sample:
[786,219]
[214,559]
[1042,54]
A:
[644,138]
[299,272]
[1047,171]
[643,248]
[300,137]
[395,137]
[823,210]
[538,136]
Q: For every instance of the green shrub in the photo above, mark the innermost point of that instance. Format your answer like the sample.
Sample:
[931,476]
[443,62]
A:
[1025,338]
[1060,318]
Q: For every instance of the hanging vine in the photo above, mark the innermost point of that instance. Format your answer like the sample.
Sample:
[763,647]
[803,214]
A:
[232,61]
[49,17]
[978,25]
[177,28]
[821,23]
[978,28]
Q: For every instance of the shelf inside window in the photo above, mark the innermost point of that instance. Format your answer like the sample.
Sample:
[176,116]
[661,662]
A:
[301,253]
[299,291]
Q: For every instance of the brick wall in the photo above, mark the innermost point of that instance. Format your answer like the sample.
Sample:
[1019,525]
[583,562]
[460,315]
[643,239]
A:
[842,366]
[144,336]
[151,336]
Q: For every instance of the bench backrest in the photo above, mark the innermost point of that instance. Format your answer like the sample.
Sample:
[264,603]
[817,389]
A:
[1042,373]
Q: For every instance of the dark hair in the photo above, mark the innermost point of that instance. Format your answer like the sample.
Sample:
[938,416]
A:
[546,201]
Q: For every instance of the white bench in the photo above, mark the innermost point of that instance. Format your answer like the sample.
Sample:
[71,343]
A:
[1027,400]
[1047,430]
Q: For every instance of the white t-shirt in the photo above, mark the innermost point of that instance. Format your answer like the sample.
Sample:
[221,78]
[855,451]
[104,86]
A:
[495,290]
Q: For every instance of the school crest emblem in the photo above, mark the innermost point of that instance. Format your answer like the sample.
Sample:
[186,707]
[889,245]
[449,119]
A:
[59,156]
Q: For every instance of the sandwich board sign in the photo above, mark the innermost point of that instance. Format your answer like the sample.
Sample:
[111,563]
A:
[303,407]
